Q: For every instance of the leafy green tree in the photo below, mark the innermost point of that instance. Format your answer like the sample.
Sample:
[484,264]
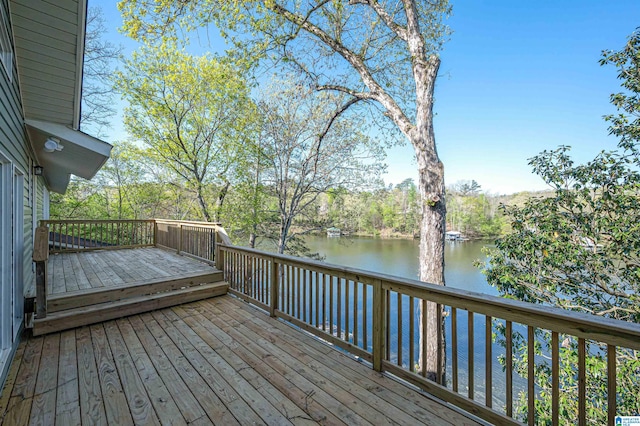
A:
[83,199]
[472,212]
[194,113]
[579,249]
[382,55]
[128,190]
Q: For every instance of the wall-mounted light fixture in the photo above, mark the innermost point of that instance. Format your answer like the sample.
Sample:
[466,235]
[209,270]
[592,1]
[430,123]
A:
[38,170]
[52,144]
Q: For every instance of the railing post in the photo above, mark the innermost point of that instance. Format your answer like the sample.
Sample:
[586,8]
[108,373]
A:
[179,238]
[378,325]
[219,254]
[155,233]
[275,273]
[41,257]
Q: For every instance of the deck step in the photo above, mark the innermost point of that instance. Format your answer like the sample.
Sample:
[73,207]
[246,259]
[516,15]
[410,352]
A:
[89,297]
[85,315]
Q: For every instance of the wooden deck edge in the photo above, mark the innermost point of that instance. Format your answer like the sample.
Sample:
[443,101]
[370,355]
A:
[107,311]
[80,298]
[465,405]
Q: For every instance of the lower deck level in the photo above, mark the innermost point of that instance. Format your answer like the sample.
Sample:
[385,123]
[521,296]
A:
[215,361]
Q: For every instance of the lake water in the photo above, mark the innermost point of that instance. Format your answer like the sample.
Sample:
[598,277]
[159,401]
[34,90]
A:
[400,257]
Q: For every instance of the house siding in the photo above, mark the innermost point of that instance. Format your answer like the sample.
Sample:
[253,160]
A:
[17,153]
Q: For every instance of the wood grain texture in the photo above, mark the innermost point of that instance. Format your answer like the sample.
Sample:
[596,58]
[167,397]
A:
[215,361]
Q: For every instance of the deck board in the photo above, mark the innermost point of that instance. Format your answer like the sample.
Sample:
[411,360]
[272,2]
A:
[68,401]
[69,272]
[216,361]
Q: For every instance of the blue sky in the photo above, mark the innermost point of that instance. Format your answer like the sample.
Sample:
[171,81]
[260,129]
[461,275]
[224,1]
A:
[516,78]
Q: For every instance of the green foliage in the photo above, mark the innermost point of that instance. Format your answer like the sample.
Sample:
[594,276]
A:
[193,113]
[473,213]
[579,249]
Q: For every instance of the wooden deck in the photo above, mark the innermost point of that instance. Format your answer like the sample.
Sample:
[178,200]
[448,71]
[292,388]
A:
[89,270]
[216,361]
[94,286]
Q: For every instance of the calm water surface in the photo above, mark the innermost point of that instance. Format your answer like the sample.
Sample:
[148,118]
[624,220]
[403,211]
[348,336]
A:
[400,257]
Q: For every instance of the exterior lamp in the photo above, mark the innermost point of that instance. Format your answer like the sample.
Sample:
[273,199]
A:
[52,144]
[37,170]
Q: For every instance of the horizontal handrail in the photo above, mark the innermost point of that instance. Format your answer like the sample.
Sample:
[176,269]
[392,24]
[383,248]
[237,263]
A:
[606,330]
[379,318]
[46,222]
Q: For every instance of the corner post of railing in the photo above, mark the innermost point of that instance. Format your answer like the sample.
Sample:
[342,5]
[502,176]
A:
[378,324]
[179,245]
[41,257]
[155,233]
[218,254]
[275,276]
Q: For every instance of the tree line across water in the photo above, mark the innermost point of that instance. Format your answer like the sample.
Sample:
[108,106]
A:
[130,186]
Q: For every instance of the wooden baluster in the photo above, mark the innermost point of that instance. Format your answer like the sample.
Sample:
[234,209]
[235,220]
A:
[317,298]
[488,362]
[423,347]
[582,383]
[611,385]
[299,294]
[531,397]
[441,348]
[399,329]
[339,310]
[324,302]
[347,309]
[387,321]
[555,378]
[254,278]
[305,303]
[454,348]
[265,289]
[285,289]
[355,313]
[331,326]
[364,317]
[471,353]
[412,335]
[378,325]
[235,271]
[509,368]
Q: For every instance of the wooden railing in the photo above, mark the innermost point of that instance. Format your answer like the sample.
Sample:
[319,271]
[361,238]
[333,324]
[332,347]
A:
[376,317]
[195,239]
[82,235]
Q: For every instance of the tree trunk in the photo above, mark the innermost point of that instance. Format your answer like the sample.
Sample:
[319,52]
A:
[220,202]
[433,226]
[431,262]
